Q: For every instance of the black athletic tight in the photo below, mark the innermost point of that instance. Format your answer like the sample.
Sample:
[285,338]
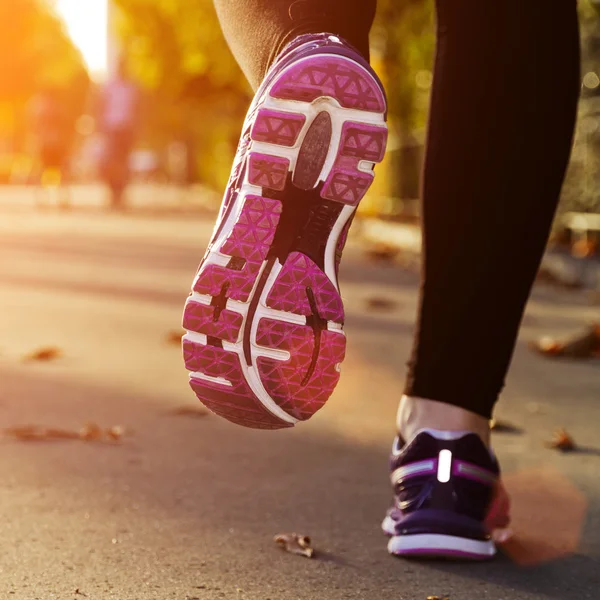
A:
[503,107]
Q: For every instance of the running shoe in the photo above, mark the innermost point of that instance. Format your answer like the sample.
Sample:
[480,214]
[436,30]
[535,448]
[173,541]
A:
[265,319]
[445,484]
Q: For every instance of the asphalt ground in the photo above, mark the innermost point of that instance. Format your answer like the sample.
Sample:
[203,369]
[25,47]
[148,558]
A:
[185,506]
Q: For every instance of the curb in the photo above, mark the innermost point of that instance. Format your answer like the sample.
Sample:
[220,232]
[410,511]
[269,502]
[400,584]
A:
[392,239]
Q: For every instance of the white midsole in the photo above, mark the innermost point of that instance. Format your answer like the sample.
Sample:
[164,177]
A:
[439,544]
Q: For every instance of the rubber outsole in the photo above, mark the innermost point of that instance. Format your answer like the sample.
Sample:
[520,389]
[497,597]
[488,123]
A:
[265,318]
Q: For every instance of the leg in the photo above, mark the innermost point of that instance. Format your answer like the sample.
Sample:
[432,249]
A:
[257,30]
[265,318]
[502,118]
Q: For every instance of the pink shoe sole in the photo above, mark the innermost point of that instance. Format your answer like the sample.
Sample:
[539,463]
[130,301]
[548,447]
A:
[264,320]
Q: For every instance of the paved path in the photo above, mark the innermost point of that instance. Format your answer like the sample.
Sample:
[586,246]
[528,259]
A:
[186,508]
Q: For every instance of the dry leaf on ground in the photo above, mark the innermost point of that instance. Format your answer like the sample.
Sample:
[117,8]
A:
[381,303]
[190,411]
[88,433]
[562,441]
[115,433]
[44,354]
[35,433]
[582,345]
[382,253]
[295,544]
[437,598]
[174,337]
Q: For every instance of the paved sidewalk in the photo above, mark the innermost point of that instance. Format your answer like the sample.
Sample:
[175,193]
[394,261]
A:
[185,508]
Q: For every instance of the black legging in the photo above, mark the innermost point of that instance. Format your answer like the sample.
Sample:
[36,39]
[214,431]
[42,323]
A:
[502,116]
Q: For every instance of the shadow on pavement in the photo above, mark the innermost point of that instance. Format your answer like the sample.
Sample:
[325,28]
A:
[210,494]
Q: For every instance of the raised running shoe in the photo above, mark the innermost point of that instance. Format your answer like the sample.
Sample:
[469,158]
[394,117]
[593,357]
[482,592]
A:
[264,321]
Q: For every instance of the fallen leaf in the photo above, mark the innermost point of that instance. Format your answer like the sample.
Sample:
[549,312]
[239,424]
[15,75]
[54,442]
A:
[295,544]
[30,433]
[562,441]
[437,598]
[44,354]
[115,433]
[90,432]
[190,411]
[174,337]
[581,345]
[381,303]
[382,253]
[61,434]
[25,432]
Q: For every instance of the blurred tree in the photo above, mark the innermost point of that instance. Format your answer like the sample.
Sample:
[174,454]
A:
[195,89]
[176,50]
[403,42]
[582,186]
[35,54]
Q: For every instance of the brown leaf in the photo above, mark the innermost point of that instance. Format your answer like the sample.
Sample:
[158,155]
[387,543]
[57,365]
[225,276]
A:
[381,303]
[382,253]
[547,346]
[562,441]
[174,337]
[115,433]
[44,354]
[190,411]
[31,433]
[36,433]
[585,344]
[295,544]
[61,434]
[90,432]
[437,598]
[25,432]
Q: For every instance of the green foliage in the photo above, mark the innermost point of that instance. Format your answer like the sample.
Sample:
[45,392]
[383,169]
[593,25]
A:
[35,51]
[35,54]
[581,191]
[176,51]
[170,42]
[403,40]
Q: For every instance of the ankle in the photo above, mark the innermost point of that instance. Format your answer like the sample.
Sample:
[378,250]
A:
[419,413]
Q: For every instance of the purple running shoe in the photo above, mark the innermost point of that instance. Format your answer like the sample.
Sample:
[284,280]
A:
[444,484]
[265,318]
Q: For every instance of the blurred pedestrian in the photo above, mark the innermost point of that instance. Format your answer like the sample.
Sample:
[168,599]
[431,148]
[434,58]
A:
[265,316]
[53,135]
[118,120]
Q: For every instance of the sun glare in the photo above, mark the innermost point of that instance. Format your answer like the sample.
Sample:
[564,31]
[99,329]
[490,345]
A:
[86,22]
